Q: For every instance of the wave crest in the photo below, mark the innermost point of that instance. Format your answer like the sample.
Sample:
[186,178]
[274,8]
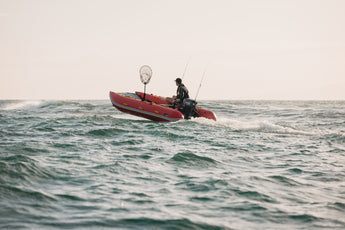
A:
[23,105]
[189,159]
[257,125]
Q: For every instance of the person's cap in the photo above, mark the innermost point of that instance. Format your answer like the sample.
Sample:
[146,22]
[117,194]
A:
[178,80]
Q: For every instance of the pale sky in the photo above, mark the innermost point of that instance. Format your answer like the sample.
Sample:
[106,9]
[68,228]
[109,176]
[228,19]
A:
[250,49]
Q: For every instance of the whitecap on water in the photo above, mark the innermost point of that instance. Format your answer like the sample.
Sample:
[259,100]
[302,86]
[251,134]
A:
[251,125]
[23,105]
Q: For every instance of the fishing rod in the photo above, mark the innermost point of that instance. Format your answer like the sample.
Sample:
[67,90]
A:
[202,79]
[185,69]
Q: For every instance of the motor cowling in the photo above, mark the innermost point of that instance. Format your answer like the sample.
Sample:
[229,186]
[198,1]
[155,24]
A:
[189,108]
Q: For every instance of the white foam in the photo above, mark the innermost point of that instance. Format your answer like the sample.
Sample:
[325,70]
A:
[22,105]
[250,125]
[128,117]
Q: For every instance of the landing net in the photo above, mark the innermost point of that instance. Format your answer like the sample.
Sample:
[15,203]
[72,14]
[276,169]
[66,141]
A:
[145,74]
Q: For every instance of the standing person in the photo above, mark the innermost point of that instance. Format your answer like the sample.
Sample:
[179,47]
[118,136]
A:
[182,93]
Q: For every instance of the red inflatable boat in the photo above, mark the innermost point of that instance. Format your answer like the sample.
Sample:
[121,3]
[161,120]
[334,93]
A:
[153,107]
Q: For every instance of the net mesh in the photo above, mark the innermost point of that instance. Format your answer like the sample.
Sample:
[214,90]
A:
[145,74]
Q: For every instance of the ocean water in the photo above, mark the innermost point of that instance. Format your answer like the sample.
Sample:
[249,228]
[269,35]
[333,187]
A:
[85,165]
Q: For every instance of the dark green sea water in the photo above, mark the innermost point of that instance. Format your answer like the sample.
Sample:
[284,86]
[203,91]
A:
[85,165]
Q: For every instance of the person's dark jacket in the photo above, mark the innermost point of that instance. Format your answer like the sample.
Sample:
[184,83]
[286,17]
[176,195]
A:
[182,93]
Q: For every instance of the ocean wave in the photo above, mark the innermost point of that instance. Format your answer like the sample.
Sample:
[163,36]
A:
[190,159]
[255,126]
[105,132]
[283,180]
[22,167]
[338,137]
[135,223]
[244,206]
[149,223]
[22,192]
[254,195]
[340,206]
[82,165]
[23,105]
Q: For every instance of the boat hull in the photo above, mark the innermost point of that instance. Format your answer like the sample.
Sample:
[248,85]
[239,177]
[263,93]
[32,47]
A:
[134,105]
[153,107]
[161,100]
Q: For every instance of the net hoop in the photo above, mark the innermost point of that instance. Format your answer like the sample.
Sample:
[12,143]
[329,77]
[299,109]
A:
[145,74]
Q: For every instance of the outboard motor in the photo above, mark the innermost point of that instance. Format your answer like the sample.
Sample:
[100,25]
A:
[189,108]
